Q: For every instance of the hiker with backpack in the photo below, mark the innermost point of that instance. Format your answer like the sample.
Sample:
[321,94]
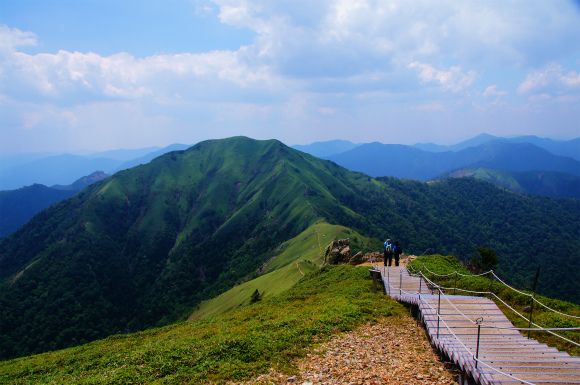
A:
[396,252]
[388,252]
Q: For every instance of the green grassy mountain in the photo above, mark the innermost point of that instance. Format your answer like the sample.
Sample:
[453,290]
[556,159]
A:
[549,183]
[143,247]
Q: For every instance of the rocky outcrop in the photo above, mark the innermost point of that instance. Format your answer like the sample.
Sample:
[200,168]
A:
[374,257]
[337,252]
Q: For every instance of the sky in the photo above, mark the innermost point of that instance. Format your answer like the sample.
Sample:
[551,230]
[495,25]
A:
[110,74]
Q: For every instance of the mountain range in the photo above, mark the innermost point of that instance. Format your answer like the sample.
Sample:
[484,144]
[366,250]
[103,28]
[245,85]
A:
[377,159]
[24,170]
[143,247]
[566,148]
[535,166]
[18,206]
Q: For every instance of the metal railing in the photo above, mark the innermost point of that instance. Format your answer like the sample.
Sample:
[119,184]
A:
[478,322]
[492,294]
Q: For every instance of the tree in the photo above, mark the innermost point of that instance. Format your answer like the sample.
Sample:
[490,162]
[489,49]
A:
[486,259]
[255,297]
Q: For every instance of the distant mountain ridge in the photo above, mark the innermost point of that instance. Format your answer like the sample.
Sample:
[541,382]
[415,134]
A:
[377,159]
[83,182]
[64,169]
[567,148]
[18,206]
[325,149]
[61,170]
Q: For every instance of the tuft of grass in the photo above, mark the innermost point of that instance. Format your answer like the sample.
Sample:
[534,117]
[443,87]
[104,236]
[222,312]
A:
[236,345]
[541,316]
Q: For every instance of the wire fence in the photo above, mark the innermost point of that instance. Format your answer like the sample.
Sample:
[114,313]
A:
[479,323]
[475,357]
[491,273]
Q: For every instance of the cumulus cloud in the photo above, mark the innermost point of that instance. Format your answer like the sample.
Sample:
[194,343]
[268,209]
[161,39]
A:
[329,46]
[453,80]
[73,74]
[552,78]
[305,57]
[371,33]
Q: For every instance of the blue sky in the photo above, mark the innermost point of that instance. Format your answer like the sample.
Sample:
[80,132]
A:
[102,74]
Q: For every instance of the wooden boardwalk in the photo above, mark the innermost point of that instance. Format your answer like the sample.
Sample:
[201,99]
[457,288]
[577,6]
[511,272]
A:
[505,356]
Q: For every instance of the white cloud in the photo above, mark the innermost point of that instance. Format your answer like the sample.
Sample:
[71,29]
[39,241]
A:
[453,80]
[10,38]
[67,75]
[492,91]
[552,78]
[362,57]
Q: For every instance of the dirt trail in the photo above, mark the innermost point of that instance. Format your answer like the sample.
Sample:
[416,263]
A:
[298,266]
[393,351]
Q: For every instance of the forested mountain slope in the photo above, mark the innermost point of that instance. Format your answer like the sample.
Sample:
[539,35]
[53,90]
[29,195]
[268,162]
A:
[18,206]
[142,247]
[549,183]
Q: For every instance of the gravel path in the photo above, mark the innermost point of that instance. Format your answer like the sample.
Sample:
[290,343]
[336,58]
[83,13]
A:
[393,351]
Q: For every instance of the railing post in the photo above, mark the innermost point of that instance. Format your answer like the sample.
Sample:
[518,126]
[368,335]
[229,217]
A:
[530,324]
[479,321]
[532,308]
[491,285]
[438,312]
[455,286]
[388,280]
[401,283]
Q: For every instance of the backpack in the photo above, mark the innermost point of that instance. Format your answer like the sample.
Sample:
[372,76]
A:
[389,249]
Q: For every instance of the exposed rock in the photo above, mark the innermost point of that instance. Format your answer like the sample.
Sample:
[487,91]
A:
[375,256]
[337,252]
[357,259]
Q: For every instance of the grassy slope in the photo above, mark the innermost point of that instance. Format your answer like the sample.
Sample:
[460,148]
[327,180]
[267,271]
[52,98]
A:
[448,264]
[233,346]
[297,257]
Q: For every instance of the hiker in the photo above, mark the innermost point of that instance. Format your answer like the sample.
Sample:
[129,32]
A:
[397,252]
[388,252]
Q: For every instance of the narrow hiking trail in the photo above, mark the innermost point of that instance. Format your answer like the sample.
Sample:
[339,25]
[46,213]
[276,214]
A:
[298,267]
[392,351]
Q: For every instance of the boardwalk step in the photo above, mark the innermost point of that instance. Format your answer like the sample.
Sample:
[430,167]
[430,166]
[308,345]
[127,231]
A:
[502,349]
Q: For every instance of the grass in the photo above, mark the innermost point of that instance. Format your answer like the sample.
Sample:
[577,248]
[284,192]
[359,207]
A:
[541,316]
[296,257]
[237,345]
